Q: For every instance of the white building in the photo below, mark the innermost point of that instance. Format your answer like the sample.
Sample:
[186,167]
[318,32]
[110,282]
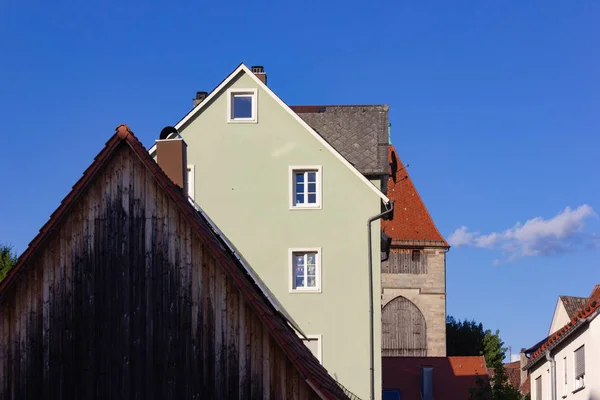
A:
[566,365]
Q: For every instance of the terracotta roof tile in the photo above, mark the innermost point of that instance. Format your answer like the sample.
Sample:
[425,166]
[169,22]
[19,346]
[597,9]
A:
[590,306]
[452,376]
[411,222]
[299,355]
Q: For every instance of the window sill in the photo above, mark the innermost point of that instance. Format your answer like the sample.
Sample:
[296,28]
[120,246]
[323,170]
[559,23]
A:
[578,389]
[242,121]
[306,208]
[315,291]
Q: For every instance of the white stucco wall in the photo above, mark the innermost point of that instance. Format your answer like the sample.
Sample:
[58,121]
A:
[560,317]
[590,337]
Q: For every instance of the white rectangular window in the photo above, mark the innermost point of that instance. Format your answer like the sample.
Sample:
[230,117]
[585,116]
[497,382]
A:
[305,270]
[241,105]
[565,376]
[538,388]
[313,342]
[579,367]
[305,187]
[190,182]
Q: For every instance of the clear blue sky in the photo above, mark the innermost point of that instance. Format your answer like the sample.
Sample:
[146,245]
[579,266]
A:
[494,104]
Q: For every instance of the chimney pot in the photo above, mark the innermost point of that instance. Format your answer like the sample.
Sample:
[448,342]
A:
[259,71]
[200,96]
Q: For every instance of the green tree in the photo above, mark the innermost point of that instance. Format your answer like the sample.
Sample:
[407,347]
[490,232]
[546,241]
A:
[493,349]
[7,260]
[463,338]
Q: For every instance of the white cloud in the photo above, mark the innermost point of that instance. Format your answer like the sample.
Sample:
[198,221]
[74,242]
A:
[536,237]
[514,357]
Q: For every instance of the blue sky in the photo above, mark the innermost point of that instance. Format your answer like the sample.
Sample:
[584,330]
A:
[494,104]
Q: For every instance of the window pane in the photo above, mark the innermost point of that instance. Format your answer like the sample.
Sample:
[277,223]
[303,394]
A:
[300,177]
[299,198]
[312,187]
[312,282]
[312,198]
[299,187]
[242,106]
[311,257]
[299,282]
[312,176]
[311,270]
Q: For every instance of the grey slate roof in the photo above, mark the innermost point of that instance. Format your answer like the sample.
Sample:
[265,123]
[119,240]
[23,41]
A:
[359,133]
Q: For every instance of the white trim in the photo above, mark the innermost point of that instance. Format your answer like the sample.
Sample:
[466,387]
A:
[291,252]
[253,93]
[319,170]
[191,173]
[260,84]
[319,339]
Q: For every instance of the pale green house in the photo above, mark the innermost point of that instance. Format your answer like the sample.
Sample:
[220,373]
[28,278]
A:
[297,211]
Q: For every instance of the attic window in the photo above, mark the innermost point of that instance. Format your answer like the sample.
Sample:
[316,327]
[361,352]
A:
[241,105]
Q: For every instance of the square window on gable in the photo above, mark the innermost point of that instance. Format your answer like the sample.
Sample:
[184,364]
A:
[305,187]
[241,105]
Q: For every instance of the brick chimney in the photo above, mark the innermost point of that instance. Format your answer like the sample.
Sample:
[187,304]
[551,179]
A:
[259,71]
[171,156]
[200,96]
[522,362]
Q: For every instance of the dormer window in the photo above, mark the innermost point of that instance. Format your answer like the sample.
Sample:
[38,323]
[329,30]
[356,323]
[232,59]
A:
[241,105]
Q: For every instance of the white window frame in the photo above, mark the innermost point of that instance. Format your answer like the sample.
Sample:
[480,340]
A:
[319,186]
[191,171]
[253,93]
[317,288]
[319,339]
[538,388]
[565,385]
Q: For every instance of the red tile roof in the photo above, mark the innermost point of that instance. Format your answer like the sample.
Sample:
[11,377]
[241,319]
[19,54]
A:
[513,373]
[299,355]
[411,223]
[452,376]
[593,303]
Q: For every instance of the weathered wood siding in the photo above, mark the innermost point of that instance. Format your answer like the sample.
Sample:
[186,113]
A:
[405,261]
[404,332]
[125,301]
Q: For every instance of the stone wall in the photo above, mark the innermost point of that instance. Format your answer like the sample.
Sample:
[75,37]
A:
[427,292]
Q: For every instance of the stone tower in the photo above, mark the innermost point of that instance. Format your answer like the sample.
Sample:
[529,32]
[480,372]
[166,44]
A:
[414,273]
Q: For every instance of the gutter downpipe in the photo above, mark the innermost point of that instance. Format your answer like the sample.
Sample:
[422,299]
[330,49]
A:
[552,374]
[371,335]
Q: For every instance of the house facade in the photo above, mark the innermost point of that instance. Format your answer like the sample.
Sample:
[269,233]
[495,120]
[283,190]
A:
[414,273]
[297,211]
[128,292]
[567,363]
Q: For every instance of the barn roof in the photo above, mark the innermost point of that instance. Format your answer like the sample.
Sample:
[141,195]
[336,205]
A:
[298,354]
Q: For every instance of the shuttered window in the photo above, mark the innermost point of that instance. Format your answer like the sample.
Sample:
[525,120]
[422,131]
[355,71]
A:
[538,388]
[579,367]
[580,362]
